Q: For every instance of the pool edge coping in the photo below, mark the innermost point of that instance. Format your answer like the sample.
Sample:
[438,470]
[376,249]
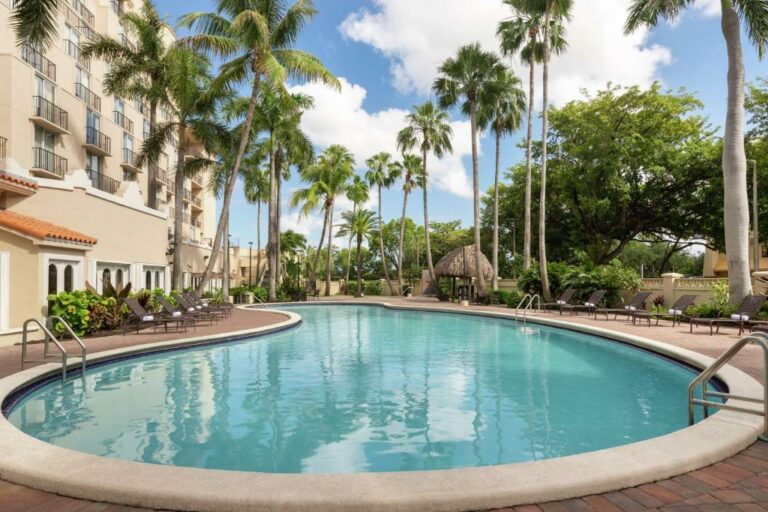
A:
[71,473]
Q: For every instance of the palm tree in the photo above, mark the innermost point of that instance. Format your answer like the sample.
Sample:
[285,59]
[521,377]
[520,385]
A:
[34,21]
[412,179]
[256,188]
[503,112]
[736,212]
[522,34]
[468,78]
[255,40]
[429,128]
[137,70]
[358,193]
[293,245]
[359,224]
[192,103]
[382,173]
[328,178]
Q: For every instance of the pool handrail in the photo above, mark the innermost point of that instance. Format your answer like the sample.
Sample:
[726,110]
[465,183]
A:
[702,380]
[49,336]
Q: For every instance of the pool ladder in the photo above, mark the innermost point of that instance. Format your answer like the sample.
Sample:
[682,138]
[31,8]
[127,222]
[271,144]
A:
[526,303]
[50,338]
[702,382]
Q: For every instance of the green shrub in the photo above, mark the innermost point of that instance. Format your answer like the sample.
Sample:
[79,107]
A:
[73,307]
[372,287]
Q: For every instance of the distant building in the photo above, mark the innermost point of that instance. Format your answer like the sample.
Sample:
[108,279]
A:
[716,263]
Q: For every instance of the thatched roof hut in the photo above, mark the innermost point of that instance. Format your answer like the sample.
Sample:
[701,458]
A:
[460,262]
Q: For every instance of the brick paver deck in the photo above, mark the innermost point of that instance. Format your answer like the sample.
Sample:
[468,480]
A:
[739,483]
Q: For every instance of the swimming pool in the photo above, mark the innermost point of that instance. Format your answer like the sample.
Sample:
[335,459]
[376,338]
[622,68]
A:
[357,389]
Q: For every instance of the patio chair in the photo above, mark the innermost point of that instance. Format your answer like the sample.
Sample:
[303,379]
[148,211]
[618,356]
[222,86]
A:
[191,307]
[636,304]
[676,312]
[590,305]
[196,301]
[193,316]
[565,299]
[747,310]
[141,318]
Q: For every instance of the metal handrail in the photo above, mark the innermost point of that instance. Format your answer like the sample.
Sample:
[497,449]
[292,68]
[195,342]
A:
[536,297]
[706,375]
[46,345]
[526,305]
[261,301]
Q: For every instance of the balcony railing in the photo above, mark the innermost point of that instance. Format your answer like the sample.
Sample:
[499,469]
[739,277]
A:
[89,97]
[127,42]
[102,182]
[73,49]
[38,61]
[130,158]
[94,137]
[122,121]
[3,143]
[50,162]
[117,7]
[162,176]
[86,14]
[51,113]
[188,195]
[197,223]
[197,202]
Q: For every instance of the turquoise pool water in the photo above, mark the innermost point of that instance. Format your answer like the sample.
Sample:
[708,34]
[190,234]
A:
[365,389]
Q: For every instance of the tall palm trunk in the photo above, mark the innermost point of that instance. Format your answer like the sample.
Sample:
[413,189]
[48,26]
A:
[279,247]
[272,238]
[329,259]
[359,291]
[735,164]
[349,258]
[259,273]
[152,167]
[400,253]
[227,199]
[225,272]
[495,282]
[528,163]
[381,249]
[543,191]
[476,196]
[177,276]
[312,280]
[427,246]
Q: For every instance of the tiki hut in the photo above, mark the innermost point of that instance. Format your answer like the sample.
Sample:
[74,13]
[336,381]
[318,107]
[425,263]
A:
[460,263]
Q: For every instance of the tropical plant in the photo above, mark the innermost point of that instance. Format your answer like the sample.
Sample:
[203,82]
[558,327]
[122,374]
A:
[255,41]
[358,193]
[256,189]
[327,179]
[428,128]
[469,78]
[293,245]
[412,178]
[736,208]
[382,173]
[359,224]
[503,113]
[137,69]
[192,102]
[522,33]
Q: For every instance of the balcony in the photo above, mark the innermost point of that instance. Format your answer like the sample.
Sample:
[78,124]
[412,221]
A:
[122,121]
[48,164]
[73,50]
[197,180]
[102,182]
[88,96]
[197,223]
[87,15]
[38,61]
[96,142]
[162,176]
[127,42]
[117,7]
[3,144]
[49,116]
[130,161]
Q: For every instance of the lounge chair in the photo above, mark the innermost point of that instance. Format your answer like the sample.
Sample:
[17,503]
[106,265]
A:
[140,318]
[590,305]
[564,300]
[190,307]
[196,301]
[193,316]
[676,312]
[636,304]
[747,310]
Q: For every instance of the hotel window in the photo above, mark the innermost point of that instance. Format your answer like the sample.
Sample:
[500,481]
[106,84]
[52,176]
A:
[92,162]
[106,277]
[92,120]
[146,129]
[119,277]
[148,280]
[45,89]
[82,77]
[62,276]
[44,139]
[53,278]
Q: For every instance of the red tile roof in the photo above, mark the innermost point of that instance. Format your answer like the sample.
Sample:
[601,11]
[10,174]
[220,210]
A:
[17,180]
[41,229]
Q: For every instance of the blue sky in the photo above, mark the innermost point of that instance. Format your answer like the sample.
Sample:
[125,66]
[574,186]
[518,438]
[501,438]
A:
[387,52]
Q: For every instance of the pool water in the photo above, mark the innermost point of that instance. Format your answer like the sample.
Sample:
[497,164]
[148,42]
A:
[366,389]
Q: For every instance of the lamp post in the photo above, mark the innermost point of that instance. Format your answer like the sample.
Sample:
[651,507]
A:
[755,237]
[250,264]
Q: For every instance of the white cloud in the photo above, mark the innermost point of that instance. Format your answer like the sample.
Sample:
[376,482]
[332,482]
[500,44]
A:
[418,36]
[708,8]
[341,118]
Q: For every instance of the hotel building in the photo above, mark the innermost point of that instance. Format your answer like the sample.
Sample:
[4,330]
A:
[73,199]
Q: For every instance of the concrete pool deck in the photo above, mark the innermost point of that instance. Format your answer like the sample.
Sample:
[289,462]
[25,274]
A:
[712,488]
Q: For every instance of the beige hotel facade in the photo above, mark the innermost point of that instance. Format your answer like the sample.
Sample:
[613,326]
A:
[73,201]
